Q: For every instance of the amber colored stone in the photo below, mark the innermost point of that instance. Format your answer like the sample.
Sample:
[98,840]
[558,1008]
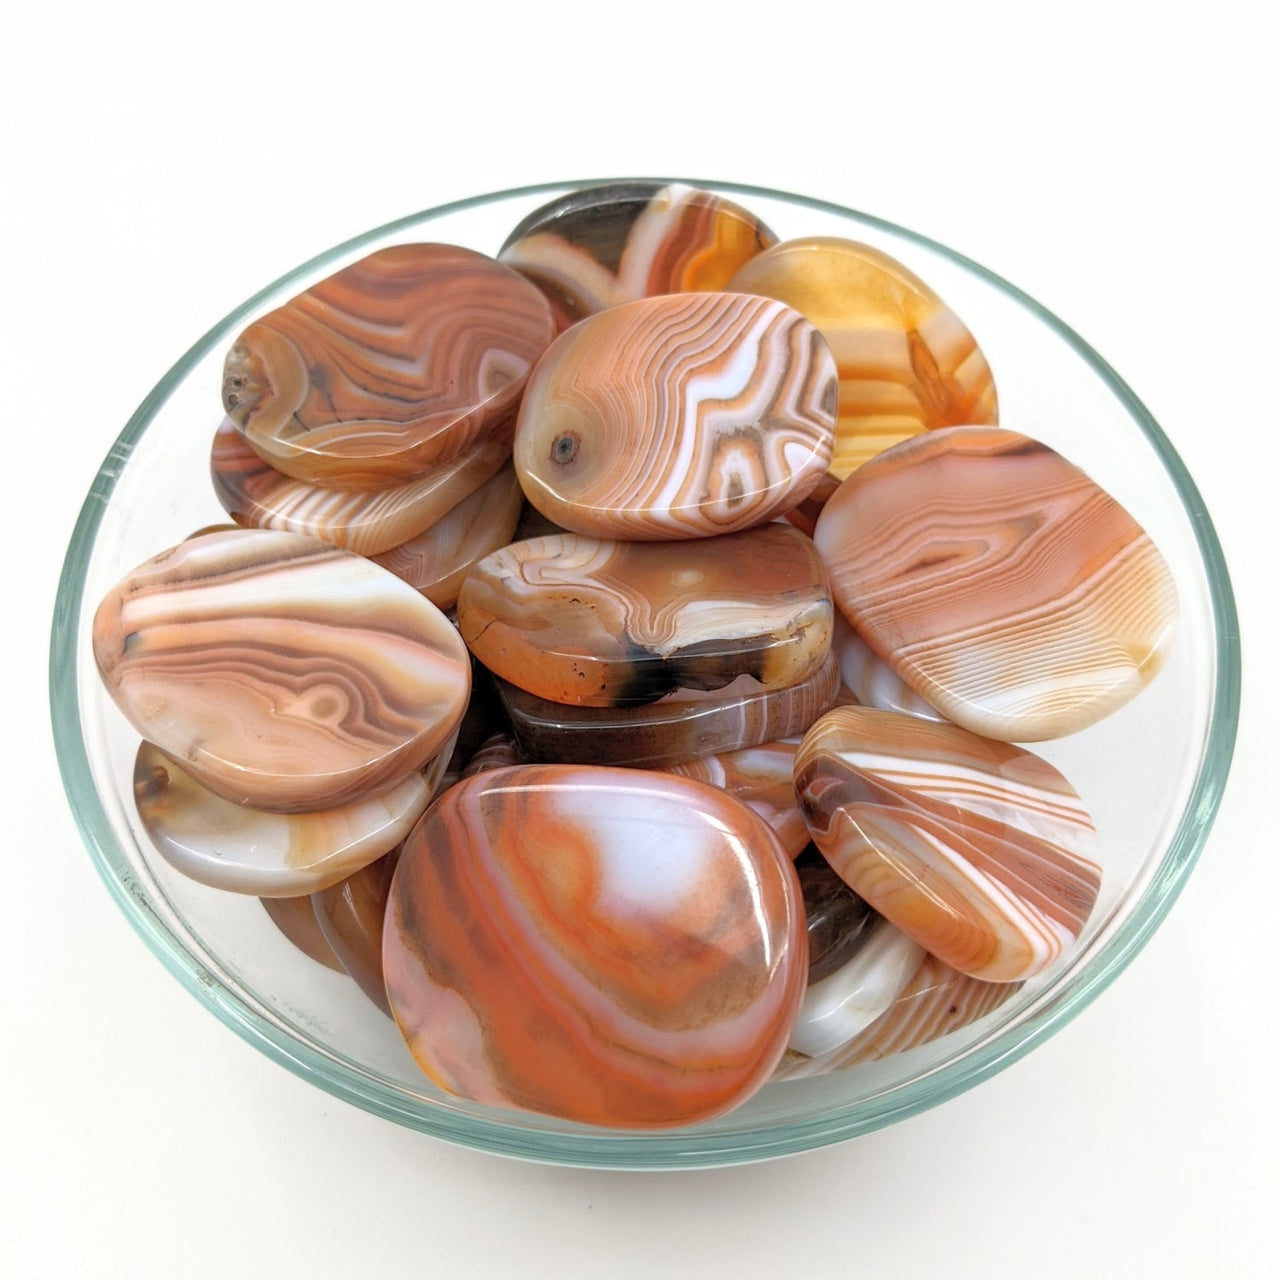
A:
[907,362]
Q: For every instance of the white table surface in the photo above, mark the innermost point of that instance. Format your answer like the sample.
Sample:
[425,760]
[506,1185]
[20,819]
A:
[157,166]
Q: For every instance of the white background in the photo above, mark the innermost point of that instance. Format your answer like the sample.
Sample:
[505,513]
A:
[158,165]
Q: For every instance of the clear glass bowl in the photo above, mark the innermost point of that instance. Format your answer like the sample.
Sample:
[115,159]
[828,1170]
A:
[1152,774]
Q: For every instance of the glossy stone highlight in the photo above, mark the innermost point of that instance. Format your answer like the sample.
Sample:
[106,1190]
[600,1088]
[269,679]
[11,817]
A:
[935,1002]
[273,855]
[665,733]
[761,778]
[677,417]
[1000,582]
[401,361]
[595,248]
[601,623]
[980,851]
[438,560]
[282,673]
[844,1003]
[907,363]
[369,523]
[607,946]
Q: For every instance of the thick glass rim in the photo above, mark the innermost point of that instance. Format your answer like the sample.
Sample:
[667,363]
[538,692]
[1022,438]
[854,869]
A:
[666,1149]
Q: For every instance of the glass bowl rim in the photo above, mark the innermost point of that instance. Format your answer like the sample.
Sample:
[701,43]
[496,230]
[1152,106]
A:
[667,1148]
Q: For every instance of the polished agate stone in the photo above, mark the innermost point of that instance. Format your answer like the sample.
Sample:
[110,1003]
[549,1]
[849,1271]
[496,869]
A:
[980,851]
[761,778]
[935,1002]
[607,946]
[844,1003]
[871,682]
[677,417]
[999,581]
[398,362]
[907,363]
[369,523]
[836,919]
[498,751]
[273,855]
[606,624]
[282,673]
[665,733]
[615,243]
[350,915]
[437,560]
[296,920]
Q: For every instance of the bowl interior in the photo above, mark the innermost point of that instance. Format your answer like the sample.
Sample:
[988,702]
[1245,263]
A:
[1151,774]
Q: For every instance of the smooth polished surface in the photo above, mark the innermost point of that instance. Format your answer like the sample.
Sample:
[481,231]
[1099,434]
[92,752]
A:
[275,855]
[1001,583]
[297,921]
[615,243]
[870,681]
[604,624]
[350,917]
[438,559]
[191,1101]
[401,360]
[280,672]
[844,1003]
[613,947]
[935,1002]
[837,920]
[1156,819]
[980,851]
[761,778]
[679,416]
[665,733]
[368,523]
[907,362]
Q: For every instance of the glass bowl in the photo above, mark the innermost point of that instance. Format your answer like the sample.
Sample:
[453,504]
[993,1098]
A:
[1175,739]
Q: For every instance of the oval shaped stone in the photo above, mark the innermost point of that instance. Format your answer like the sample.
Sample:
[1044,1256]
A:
[620,241]
[980,851]
[438,560]
[368,523]
[398,362]
[1002,584]
[761,777]
[272,855]
[603,945]
[907,362]
[280,672]
[677,417]
[600,623]
[350,917]
[665,733]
